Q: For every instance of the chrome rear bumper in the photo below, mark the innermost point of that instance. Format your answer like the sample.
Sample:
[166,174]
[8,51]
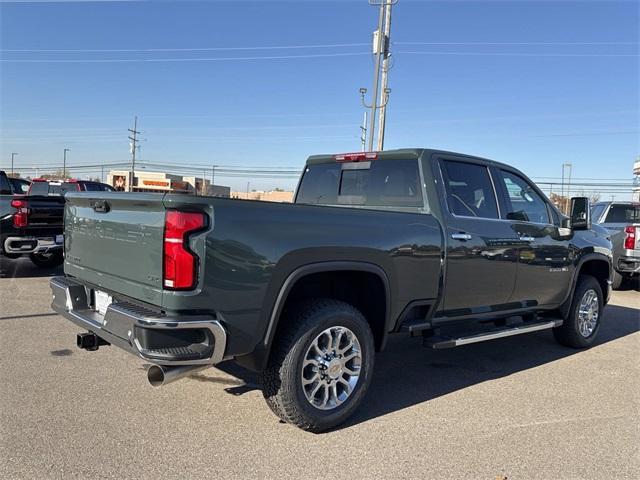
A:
[128,326]
[31,245]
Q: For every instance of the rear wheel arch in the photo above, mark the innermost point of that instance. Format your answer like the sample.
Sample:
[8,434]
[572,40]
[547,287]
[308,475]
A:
[362,276]
[595,265]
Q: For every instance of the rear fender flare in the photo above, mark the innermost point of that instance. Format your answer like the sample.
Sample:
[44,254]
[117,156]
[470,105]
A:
[309,269]
[566,305]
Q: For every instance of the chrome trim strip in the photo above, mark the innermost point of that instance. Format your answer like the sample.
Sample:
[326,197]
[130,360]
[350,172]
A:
[506,333]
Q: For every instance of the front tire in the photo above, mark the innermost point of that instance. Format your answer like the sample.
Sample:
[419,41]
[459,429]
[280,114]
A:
[47,260]
[582,324]
[320,365]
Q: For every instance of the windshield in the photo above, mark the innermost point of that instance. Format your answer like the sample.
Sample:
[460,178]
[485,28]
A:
[379,184]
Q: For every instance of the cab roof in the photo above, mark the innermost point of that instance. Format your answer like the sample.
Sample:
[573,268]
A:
[399,154]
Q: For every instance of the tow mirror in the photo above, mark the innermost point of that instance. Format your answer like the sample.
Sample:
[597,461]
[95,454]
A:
[580,213]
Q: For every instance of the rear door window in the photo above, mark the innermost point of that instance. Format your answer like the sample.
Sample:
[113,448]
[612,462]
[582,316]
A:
[20,186]
[93,187]
[469,190]
[384,184]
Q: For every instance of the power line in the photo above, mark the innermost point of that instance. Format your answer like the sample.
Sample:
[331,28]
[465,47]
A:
[518,43]
[158,60]
[297,47]
[196,49]
[520,54]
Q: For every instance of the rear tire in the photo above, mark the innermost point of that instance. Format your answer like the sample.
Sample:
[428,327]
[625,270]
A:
[320,366]
[47,260]
[582,324]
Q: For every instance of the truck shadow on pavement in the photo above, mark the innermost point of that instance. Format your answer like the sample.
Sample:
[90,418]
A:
[24,268]
[407,374]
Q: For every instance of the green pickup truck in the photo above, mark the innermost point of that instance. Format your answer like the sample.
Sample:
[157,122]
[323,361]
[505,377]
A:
[452,248]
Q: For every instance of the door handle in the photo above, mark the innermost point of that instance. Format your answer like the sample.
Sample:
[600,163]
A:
[525,238]
[461,236]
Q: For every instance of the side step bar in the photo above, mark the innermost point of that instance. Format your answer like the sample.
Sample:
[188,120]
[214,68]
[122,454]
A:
[438,342]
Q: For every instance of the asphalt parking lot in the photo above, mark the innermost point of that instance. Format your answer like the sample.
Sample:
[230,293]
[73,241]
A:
[522,407]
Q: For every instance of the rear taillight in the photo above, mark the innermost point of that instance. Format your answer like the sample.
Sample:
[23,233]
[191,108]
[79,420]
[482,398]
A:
[630,239]
[180,263]
[21,217]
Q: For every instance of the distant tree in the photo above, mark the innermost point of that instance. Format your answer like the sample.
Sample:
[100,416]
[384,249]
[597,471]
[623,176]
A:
[278,189]
[57,175]
[15,175]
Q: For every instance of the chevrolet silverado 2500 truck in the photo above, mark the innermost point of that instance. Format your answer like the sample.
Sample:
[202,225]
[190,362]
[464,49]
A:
[454,248]
[30,225]
[622,220]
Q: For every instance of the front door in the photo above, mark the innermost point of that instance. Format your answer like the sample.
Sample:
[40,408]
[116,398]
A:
[545,259]
[481,261]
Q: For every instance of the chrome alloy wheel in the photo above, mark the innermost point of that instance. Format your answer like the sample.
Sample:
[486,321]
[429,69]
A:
[588,313]
[331,368]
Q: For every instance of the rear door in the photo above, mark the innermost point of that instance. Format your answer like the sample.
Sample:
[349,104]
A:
[481,247]
[115,241]
[544,257]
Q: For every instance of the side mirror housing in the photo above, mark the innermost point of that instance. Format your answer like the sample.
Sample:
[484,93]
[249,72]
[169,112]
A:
[580,213]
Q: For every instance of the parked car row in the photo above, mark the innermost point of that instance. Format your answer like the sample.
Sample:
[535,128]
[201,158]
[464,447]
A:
[31,217]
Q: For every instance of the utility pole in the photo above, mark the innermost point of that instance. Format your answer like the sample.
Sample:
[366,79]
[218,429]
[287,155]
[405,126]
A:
[363,132]
[565,193]
[64,162]
[134,145]
[378,40]
[213,175]
[380,94]
[384,94]
[13,154]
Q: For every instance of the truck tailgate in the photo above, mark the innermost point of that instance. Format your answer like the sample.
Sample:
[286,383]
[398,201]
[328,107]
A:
[115,241]
[44,210]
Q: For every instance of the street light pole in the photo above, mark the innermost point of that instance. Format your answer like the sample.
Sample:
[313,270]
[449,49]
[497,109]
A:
[13,154]
[64,162]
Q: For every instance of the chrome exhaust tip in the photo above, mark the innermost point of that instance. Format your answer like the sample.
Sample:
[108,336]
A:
[159,375]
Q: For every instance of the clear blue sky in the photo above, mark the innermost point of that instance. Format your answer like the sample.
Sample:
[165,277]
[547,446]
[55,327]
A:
[534,84]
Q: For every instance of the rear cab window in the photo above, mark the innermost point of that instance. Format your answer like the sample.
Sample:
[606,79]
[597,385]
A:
[39,188]
[621,213]
[380,184]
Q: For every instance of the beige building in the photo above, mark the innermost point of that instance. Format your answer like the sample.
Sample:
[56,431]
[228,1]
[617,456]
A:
[146,181]
[270,196]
